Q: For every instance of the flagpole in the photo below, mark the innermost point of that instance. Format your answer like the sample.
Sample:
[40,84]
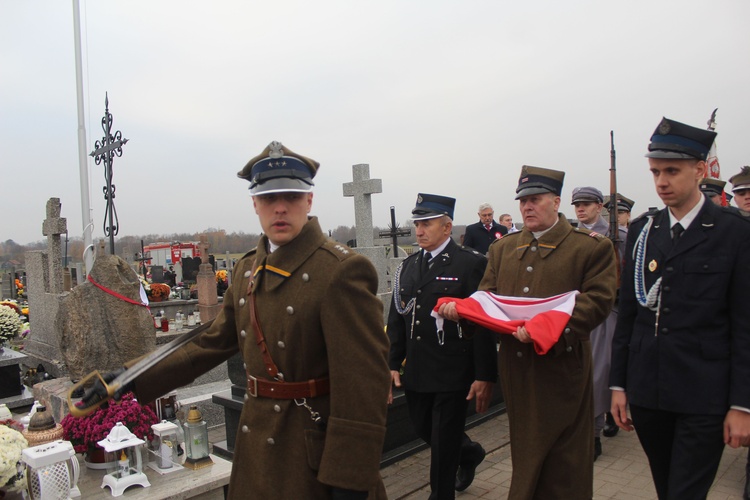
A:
[83,169]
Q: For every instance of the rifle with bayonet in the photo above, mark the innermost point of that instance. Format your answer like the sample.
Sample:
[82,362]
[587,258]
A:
[614,230]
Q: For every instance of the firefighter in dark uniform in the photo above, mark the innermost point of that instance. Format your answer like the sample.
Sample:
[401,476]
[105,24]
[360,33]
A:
[443,369]
[741,187]
[681,351]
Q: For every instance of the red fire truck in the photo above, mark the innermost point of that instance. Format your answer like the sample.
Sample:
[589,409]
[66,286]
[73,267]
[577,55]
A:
[166,254]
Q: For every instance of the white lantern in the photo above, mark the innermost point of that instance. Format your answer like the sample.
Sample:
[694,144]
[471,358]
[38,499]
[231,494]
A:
[52,471]
[128,467]
[167,440]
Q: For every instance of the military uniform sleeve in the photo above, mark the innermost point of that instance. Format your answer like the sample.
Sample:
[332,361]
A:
[485,345]
[598,289]
[357,347]
[739,389]
[397,336]
[627,310]
[211,348]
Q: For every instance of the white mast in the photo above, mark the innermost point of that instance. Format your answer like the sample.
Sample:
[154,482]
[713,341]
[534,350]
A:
[88,224]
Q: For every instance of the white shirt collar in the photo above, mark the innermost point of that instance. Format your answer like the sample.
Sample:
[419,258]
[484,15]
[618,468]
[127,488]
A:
[539,234]
[439,249]
[689,217]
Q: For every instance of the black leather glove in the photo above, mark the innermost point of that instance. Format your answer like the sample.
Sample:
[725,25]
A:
[342,494]
[97,393]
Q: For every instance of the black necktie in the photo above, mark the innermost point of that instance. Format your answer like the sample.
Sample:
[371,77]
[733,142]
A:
[677,231]
[426,257]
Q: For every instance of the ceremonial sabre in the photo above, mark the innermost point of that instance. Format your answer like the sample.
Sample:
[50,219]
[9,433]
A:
[130,374]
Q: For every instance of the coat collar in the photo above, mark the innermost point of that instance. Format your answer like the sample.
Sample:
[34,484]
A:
[440,262]
[695,234]
[548,242]
[275,268]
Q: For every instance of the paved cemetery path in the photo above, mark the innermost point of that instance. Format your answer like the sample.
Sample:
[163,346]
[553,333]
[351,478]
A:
[620,473]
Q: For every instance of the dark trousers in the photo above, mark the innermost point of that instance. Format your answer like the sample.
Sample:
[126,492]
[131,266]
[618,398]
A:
[439,418]
[683,450]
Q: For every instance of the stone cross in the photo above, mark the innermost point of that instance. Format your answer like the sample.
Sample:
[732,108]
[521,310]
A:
[361,189]
[203,249]
[52,227]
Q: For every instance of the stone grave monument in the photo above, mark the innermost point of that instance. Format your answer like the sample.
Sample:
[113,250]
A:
[104,323]
[45,287]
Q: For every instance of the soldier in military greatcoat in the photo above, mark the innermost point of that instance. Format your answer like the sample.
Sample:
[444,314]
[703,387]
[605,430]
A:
[549,396]
[588,202]
[304,314]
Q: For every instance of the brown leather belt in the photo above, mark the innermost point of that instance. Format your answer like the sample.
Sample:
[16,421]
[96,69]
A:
[258,387]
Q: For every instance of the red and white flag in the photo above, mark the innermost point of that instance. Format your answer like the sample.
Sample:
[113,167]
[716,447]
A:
[544,319]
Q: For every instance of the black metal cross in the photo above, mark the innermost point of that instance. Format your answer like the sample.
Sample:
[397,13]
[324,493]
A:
[105,151]
[145,257]
[394,232]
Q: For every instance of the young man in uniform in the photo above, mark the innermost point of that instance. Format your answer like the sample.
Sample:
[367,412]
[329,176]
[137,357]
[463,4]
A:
[549,397]
[624,207]
[681,352]
[713,189]
[303,312]
[741,189]
[446,368]
[588,203]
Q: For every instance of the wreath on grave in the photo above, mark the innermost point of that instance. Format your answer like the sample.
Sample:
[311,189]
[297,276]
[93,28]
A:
[222,282]
[10,323]
[158,292]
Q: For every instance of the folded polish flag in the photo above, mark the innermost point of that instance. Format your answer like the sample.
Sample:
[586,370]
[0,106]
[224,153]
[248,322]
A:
[544,319]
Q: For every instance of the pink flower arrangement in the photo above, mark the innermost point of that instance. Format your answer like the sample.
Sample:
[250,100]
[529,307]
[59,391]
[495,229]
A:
[84,432]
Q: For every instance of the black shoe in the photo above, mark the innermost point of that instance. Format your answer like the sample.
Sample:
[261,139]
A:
[610,427]
[468,468]
[597,448]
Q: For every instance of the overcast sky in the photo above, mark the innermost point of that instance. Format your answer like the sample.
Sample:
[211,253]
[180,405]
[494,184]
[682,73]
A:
[442,97]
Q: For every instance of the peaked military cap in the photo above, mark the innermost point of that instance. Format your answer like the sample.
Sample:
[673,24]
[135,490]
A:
[676,140]
[430,206]
[741,180]
[587,193]
[712,187]
[278,169]
[623,203]
[538,180]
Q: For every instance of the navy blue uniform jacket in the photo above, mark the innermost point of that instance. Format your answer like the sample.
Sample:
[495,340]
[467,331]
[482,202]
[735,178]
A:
[455,365]
[696,360]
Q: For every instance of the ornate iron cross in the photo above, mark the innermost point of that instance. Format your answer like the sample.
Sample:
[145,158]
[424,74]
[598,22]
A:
[105,151]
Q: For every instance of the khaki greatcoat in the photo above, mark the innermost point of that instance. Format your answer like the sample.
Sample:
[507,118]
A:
[318,309]
[549,397]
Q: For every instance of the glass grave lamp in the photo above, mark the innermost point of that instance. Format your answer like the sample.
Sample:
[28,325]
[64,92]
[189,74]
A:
[52,471]
[128,468]
[167,441]
[196,440]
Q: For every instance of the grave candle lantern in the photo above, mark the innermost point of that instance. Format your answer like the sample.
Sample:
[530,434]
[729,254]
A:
[128,469]
[196,440]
